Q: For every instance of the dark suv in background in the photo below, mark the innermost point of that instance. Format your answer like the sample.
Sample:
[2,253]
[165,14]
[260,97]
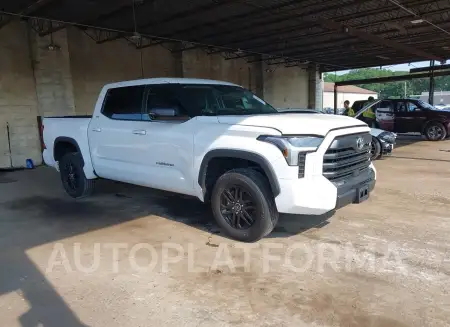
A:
[407,116]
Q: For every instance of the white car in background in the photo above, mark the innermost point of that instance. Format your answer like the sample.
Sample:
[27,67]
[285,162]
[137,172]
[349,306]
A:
[382,141]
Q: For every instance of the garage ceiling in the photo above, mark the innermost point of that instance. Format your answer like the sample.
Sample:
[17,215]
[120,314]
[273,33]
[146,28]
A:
[336,34]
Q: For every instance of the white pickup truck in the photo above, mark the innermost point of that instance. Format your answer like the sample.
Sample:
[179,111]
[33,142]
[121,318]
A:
[218,142]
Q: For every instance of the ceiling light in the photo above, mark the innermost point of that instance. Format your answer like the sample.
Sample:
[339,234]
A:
[53,47]
[446,48]
[136,36]
[417,21]
[383,57]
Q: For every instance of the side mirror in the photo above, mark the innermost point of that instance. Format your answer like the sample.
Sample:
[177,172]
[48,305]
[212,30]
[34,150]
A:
[163,112]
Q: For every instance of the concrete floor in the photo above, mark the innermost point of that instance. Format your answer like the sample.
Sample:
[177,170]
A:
[385,262]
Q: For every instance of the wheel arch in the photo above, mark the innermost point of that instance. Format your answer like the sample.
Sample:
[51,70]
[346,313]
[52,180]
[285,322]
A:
[239,154]
[64,143]
[435,120]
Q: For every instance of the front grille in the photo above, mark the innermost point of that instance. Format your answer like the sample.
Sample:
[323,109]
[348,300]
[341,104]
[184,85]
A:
[347,156]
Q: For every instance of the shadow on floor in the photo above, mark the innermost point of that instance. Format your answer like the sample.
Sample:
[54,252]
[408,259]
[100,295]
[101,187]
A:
[36,212]
[408,139]
[290,225]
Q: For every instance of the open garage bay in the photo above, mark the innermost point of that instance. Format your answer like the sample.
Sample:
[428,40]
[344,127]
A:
[130,256]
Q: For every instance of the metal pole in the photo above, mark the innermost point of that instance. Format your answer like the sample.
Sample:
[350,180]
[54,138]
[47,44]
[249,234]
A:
[335,99]
[9,144]
[431,91]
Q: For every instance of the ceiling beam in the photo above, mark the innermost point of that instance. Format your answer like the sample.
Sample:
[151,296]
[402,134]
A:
[331,25]
[390,78]
[27,11]
[426,69]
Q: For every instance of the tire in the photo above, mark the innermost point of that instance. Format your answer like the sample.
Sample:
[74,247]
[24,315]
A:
[435,131]
[375,151]
[256,201]
[73,178]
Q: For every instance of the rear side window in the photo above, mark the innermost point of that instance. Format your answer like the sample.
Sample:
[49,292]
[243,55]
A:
[124,103]
[385,105]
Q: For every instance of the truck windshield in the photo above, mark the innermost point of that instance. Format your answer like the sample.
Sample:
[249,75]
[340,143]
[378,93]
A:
[212,100]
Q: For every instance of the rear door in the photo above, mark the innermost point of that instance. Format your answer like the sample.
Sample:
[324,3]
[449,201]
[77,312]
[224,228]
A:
[114,134]
[385,115]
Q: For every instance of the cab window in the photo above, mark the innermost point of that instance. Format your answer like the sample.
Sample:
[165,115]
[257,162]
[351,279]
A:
[124,103]
[412,107]
[401,107]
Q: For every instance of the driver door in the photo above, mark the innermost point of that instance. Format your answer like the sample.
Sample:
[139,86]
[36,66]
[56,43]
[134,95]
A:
[167,148]
[409,117]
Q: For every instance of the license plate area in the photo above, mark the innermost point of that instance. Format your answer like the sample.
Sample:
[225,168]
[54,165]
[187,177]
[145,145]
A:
[363,194]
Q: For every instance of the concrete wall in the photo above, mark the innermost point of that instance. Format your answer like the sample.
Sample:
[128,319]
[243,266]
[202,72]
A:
[52,74]
[18,101]
[94,65]
[198,64]
[286,87]
[37,81]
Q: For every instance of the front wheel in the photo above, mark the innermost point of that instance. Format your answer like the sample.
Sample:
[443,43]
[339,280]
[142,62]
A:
[435,131]
[72,176]
[375,149]
[243,205]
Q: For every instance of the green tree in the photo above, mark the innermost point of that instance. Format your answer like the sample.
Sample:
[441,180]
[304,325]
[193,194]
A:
[391,89]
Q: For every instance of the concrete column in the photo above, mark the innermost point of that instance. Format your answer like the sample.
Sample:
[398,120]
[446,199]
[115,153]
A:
[257,77]
[53,78]
[315,85]
[286,87]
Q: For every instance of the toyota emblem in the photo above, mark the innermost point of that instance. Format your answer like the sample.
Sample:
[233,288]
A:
[360,143]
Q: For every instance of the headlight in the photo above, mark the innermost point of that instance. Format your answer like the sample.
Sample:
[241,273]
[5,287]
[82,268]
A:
[388,137]
[292,146]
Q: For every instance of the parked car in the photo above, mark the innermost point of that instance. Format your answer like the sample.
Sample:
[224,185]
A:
[408,115]
[382,141]
[218,142]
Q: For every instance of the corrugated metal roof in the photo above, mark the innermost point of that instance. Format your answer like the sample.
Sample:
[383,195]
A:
[334,34]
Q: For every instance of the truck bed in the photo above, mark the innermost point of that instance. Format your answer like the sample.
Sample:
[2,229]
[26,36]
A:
[68,128]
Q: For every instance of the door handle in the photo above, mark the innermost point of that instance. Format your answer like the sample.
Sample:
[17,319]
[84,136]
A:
[96,129]
[140,132]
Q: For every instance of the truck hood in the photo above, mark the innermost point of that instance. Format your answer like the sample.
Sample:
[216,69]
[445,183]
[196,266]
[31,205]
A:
[292,123]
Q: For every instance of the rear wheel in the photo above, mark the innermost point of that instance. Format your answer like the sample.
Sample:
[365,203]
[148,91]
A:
[375,149]
[243,205]
[435,131]
[73,178]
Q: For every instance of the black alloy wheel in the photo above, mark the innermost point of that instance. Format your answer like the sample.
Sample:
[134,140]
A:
[237,207]
[243,204]
[71,175]
[73,178]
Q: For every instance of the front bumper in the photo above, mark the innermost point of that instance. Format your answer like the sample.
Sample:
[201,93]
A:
[386,148]
[316,195]
[353,191]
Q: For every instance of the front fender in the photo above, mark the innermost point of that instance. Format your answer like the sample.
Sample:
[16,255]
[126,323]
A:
[239,154]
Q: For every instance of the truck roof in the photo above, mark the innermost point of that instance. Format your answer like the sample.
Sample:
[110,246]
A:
[164,80]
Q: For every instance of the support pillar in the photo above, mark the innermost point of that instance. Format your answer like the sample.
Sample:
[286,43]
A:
[315,83]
